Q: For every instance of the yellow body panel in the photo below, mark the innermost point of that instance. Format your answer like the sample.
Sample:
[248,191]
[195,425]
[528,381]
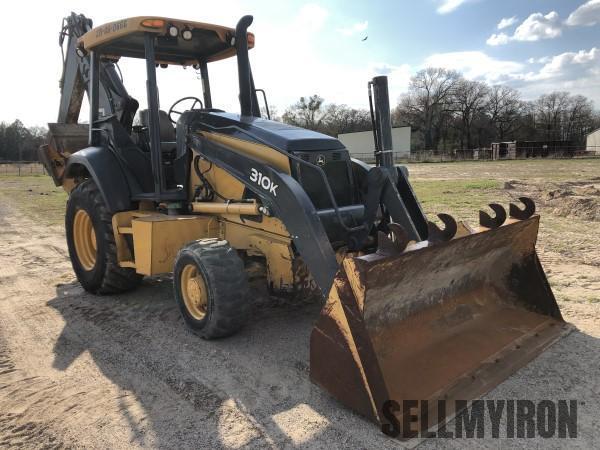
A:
[261,152]
[157,239]
[275,248]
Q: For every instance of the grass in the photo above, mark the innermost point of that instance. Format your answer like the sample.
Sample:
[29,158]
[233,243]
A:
[36,196]
[459,189]
[459,198]
[532,169]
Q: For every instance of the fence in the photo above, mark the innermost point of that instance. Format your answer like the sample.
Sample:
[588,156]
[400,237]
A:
[484,154]
[24,168]
[21,168]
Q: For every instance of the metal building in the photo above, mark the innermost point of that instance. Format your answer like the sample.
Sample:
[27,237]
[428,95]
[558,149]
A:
[592,142]
[361,144]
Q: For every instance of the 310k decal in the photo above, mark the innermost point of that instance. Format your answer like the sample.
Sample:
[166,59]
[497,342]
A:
[263,181]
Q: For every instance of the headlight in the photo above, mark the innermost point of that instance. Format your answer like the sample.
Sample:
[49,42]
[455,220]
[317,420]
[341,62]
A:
[187,34]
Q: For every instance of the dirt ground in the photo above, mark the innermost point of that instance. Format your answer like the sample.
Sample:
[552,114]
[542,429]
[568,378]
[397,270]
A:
[122,371]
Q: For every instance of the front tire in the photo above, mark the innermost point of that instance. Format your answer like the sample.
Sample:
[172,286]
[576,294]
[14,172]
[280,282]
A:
[91,243]
[211,288]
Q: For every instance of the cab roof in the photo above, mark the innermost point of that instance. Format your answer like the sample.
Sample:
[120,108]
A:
[126,38]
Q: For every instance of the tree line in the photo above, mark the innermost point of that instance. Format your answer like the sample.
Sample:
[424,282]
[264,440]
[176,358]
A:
[20,143]
[446,112]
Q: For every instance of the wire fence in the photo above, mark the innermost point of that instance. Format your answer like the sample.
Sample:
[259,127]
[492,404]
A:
[487,154]
[28,168]
[21,168]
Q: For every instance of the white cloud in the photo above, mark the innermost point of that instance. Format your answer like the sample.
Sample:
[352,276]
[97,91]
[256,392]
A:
[475,65]
[587,14]
[542,60]
[569,65]
[447,6]
[312,16]
[577,72]
[498,39]
[354,28]
[507,22]
[538,26]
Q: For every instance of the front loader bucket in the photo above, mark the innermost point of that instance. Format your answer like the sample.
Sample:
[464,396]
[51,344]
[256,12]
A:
[446,321]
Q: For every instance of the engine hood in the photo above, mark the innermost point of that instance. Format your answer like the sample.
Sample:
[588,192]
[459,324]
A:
[275,134]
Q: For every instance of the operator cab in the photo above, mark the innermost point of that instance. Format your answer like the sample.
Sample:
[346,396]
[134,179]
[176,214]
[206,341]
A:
[149,148]
[155,150]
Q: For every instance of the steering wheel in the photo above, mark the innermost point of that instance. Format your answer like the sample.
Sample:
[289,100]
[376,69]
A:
[172,110]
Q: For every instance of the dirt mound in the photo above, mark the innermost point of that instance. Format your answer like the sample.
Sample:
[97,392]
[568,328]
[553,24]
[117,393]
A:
[558,193]
[581,201]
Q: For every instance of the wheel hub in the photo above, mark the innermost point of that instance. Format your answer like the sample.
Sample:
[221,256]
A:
[84,237]
[194,292]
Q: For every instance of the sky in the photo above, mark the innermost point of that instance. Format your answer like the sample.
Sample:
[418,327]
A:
[319,47]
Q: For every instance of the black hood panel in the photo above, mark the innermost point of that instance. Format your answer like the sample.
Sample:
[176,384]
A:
[276,134]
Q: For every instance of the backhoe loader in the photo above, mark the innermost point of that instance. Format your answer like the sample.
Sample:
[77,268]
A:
[411,310]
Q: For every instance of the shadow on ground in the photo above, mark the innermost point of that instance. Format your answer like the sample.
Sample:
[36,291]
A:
[249,389]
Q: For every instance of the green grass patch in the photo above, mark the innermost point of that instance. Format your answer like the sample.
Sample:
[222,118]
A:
[460,198]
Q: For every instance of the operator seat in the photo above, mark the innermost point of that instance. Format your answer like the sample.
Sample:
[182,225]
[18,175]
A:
[167,130]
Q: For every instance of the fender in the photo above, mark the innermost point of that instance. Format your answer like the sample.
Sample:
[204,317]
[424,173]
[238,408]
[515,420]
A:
[104,168]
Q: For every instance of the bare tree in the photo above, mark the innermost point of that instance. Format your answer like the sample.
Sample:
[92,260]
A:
[578,118]
[469,100]
[505,110]
[306,113]
[343,119]
[426,104]
[550,109]
[332,119]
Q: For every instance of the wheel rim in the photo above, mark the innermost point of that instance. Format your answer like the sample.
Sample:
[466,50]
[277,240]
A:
[85,239]
[194,292]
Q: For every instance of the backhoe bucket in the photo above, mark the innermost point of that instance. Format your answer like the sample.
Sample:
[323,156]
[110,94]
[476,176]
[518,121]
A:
[445,321]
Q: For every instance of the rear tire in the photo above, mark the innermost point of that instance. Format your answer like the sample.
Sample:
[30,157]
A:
[91,243]
[211,288]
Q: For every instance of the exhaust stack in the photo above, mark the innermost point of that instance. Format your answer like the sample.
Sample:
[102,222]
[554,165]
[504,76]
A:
[248,100]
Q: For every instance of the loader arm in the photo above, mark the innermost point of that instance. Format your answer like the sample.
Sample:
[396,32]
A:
[289,203]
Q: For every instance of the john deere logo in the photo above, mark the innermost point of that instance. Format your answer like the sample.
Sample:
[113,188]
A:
[320,160]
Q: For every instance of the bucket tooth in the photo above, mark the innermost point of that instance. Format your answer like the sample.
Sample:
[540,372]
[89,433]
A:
[399,236]
[385,246]
[435,234]
[393,244]
[485,220]
[515,212]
